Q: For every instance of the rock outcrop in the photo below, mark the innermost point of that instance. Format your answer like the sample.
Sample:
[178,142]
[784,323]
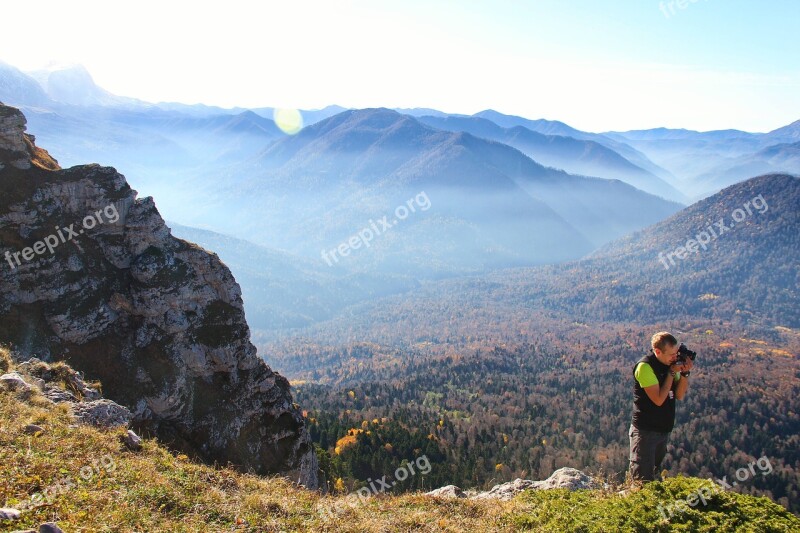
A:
[54,384]
[17,148]
[91,275]
[563,478]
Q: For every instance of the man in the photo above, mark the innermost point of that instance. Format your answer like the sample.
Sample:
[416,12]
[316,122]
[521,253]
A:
[658,382]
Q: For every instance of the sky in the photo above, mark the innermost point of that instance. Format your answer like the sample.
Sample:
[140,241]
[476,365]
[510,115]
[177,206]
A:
[597,65]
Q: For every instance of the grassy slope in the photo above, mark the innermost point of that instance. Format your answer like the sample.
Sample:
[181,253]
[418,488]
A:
[153,490]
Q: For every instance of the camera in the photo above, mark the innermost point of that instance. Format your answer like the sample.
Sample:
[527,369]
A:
[685,353]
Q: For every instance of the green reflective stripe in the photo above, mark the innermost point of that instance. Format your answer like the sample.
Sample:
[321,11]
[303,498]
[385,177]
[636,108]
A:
[645,376]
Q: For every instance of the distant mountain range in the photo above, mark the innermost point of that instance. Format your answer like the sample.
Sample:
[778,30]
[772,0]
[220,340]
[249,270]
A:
[493,205]
[709,161]
[584,157]
[505,190]
[743,274]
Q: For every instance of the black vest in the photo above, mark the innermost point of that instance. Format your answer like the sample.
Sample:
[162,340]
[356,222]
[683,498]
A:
[646,414]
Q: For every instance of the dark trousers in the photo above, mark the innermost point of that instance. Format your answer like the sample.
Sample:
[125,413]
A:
[648,449]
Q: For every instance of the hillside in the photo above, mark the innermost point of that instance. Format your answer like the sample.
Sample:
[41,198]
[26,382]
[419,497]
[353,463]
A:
[772,159]
[746,276]
[99,484]
[514,368]
[745,271]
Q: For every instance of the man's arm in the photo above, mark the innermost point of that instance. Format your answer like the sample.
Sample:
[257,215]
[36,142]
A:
[658,395]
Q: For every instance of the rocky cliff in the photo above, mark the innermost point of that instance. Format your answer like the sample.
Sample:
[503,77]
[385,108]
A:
[91,275]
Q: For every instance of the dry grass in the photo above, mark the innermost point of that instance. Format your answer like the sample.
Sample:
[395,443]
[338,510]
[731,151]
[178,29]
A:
[91,483]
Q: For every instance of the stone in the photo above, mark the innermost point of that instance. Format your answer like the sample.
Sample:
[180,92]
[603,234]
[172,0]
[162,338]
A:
[506,491]
[33,429]
[57,395]
[102,413]
[568,478]
[132,441]
[50,527]
[563,478]
[450,491]
[7,513]
[14,382]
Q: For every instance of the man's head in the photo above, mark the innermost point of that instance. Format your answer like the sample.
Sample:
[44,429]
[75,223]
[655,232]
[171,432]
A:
[665,346]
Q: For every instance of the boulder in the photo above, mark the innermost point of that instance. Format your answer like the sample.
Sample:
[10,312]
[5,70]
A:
[14,382]
[102,413]
[563,478]
[450,491]
[132,441]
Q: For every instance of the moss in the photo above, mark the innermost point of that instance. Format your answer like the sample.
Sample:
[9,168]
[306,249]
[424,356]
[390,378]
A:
[652,508]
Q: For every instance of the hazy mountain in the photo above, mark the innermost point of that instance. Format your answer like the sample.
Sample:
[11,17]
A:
[786,134]
[18,88]
[743,279]
[74,85]
[554,127]
[688,154]
[490,204]
[285,291]
[707,161]
[572,155]
[547,127]
[159,150]
[747,272]
[320,187]
[658,134]
[424,112]
[773,159]
[310,116]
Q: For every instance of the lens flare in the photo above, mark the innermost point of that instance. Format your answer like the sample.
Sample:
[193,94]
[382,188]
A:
[290,121]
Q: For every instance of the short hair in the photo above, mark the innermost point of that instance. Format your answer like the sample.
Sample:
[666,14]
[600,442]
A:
[661,339]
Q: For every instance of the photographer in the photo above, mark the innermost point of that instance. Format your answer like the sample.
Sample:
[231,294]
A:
[660,378]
